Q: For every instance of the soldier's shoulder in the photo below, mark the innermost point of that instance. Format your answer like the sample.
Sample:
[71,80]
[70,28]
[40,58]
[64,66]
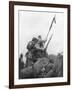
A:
[29,45]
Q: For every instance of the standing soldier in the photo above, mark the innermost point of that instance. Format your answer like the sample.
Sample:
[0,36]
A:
[40,44]
[31,55]
[39,47]
[21,64]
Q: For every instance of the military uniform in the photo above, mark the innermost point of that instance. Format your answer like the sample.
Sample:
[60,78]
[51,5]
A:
[35,50]
[40,44]
[31,53]
[21,64]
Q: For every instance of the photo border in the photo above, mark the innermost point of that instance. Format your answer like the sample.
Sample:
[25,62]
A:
[11,43]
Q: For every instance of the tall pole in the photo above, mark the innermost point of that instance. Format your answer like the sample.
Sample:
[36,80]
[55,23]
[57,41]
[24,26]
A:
[53,20]
[48,42]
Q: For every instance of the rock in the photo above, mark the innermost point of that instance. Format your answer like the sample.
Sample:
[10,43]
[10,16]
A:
[27,72]
[50,74]
[42,62]
[60,66]
[33,71]
[55,69]
[43,68]
[52,58]
[48,67]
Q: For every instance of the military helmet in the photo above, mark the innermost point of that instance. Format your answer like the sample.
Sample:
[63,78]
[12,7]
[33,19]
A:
[35,40]
[30,45]
[39,36]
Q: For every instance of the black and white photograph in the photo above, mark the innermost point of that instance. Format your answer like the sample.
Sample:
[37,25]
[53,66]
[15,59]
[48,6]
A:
[40,43]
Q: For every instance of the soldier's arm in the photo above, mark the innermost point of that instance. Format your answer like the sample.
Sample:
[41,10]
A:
[44,40]
[38,47]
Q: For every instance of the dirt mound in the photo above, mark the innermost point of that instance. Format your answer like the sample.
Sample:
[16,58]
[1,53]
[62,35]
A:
[44,68]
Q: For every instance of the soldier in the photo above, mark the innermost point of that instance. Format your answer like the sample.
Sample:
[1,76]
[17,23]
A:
[32,43]
[39,48]
[31,55]
[29,60]
[40,44]
[35,40]
[35,49]
[21,64]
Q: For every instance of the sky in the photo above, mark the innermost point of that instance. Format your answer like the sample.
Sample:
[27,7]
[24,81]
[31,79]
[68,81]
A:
[33,23]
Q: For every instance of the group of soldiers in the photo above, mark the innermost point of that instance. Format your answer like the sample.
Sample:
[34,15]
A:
[35,49]
[36,56]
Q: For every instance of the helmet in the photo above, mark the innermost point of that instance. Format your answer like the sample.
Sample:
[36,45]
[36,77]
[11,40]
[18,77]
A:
[30,45]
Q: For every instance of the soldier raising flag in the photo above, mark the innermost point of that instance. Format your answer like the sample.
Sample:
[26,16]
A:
[36,47]
[40,44]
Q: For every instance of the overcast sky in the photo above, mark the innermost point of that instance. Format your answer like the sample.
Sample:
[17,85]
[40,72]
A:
[32,24]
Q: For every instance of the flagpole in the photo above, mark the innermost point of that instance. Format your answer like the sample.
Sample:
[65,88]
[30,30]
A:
[50,26]
[48,42]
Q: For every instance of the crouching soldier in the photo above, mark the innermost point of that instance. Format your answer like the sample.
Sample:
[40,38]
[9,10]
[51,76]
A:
[30,55]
